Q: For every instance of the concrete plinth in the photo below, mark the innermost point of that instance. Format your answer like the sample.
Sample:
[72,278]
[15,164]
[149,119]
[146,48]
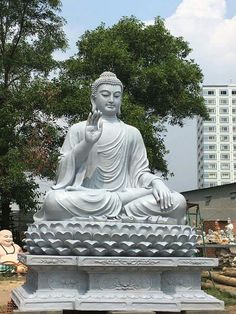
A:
[170,284]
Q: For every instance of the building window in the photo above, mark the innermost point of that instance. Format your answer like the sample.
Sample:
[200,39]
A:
[211,110]
[211,101]
[224,101]
[209,184]
[212,166]
[225,175]
[234,101]
[209,156]
[225,166]
[224,138]
[212,147]
[209,147]
[209,138]
[224,128]
[234,138]
[209,128]
[234,92]
[210,92]
[224,110]
[224,156]
[234,119]
[223,92]
[224,147]
[211,119]
[234,128]
[210,175]
[233,110]
[224,119]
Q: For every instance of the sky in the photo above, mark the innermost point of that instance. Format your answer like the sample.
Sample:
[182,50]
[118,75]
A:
[210,28]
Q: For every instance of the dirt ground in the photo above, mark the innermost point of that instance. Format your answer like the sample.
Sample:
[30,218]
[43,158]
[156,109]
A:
[5,289]
[7,285]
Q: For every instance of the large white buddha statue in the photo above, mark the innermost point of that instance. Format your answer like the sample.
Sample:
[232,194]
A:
[104,171]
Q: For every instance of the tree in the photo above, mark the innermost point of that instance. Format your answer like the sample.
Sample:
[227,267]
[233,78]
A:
[161,84]
[30,30]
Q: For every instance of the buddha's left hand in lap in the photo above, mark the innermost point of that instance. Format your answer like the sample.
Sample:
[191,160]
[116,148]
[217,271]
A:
[162,194]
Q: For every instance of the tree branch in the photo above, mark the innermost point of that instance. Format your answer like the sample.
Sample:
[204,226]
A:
[14,46]
[20,30]
[2,46]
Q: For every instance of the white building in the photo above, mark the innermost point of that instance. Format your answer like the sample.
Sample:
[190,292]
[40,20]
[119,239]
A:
[217,137]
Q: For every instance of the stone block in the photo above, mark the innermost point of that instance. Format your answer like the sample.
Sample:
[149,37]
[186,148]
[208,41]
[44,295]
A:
[167,284]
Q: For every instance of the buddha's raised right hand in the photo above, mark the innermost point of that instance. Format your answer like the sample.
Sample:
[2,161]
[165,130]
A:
[94,126]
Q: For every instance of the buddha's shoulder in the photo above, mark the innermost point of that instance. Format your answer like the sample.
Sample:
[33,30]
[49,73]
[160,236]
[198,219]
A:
[132,130]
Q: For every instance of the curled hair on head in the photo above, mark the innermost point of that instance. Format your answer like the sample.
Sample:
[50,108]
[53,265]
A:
[105,78]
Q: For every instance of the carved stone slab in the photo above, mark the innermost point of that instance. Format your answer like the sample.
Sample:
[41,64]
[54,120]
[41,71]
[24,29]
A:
[91,261]
[114,284]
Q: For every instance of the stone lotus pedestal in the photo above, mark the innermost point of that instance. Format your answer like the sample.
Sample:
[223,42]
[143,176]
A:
[110,238]
[112,266]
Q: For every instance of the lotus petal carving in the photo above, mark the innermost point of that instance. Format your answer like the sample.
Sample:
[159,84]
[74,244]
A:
[110,238]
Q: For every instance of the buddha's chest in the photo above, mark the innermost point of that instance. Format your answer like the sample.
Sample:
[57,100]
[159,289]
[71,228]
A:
[110,135]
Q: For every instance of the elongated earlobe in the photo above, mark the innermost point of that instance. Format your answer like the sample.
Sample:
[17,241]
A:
[93,103]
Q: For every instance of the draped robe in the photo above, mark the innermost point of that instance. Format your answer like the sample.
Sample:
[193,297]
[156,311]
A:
[117,163]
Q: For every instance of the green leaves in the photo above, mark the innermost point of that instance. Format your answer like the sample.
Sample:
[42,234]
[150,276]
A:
[30,30]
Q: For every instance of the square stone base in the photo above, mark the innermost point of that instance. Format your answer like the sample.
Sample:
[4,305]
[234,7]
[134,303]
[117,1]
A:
[170,284]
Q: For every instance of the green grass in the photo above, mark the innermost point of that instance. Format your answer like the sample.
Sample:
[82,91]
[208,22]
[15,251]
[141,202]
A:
[221,295]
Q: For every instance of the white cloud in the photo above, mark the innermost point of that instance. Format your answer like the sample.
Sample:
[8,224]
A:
[211,36]
[201,9]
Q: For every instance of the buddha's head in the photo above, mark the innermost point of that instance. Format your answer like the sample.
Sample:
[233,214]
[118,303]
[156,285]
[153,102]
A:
[107,94]
[6,238]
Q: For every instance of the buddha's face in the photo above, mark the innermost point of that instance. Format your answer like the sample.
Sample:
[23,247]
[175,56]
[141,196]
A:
[108,99]
[6,238]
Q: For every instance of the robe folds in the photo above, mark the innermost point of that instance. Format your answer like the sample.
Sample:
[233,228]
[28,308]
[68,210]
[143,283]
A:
[117,163]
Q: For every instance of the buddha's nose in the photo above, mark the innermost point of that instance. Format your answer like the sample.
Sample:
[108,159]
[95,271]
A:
[111,99]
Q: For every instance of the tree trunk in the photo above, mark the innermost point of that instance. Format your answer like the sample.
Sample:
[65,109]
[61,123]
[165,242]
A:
[224,279]
[229,273]
[6,210]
